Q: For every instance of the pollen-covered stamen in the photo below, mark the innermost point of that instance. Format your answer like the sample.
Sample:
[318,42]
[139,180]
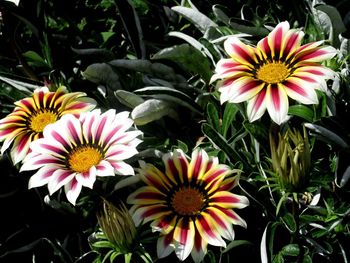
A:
[39,120]
[274,72]
[83,158]
[187,201]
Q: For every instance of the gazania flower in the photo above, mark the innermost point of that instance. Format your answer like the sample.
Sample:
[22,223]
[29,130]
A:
[278,68]
[73,151]
[189,204]
[31,115]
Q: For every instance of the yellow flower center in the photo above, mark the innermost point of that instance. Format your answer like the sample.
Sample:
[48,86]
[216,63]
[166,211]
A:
[187,201]
[272,72]
[40,120]
[83,158]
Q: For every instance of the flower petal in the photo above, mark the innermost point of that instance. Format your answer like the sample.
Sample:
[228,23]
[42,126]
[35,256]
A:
[42,176]
[240,90]
[104,168]
[148,213]
[276,38]
[197,166]
[88,178]
[277,103]
[300,90]
[184,237]
[121,167]
[164,224]
[164,245]
[228,68]
[313,53]
[228,200]
[199,249]
[239,51]
[72,190]
[207,229]
[176,166]
[222,223]
[58,179]
[147,195]
[257,106]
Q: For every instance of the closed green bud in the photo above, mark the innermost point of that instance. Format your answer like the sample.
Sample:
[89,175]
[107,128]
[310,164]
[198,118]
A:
[290,154]
[118,226]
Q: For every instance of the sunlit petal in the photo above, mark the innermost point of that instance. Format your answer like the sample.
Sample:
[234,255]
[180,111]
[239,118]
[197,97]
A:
[298,90]
[164,245]
[33,114]
[266,75]
[239,51]
[188,203]
[277,103]
[184,238]
[79,159]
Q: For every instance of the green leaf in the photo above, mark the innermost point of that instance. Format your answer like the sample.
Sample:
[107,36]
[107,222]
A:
[221,142]
[291,250]
[128,99]
[220,15]
[171,95]
[280,202]
[338,26]
[195,43]
[201,21]
[98,54]
[213,116]
[327,135]
[20,85]
[229,115]
[103,244]
[132,26]
[301,111]
[236,243]
[102,73]
[308,259]
[258,131]
[243,27]
[34,59]
[289,222]
[151,110]
[189,58]
[267,240]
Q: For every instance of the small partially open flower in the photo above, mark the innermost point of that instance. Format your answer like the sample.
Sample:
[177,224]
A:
[118,226]
[277,68]
[27,121]
[291,159]
[74,151]
[190,203]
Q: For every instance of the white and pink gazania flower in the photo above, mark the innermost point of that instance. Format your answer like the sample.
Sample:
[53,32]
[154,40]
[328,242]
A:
[190,203]
[74,151]
[31,115]
[277,68]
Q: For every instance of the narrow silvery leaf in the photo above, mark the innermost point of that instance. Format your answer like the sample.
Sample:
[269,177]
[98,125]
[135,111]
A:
[201,21]
[102,73]
[263,250]
[129,99]
[150,110]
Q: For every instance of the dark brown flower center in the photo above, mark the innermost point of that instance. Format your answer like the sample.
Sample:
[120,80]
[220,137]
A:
[187,201]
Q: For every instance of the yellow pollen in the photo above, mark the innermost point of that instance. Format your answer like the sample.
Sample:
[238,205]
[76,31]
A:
[40,120]
[272,72]
[187,201]
[83,158]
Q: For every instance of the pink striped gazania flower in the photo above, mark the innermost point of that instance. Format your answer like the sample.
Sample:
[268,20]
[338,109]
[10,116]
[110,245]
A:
[277,68]
[31,115]
[189,204]
[73,151]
